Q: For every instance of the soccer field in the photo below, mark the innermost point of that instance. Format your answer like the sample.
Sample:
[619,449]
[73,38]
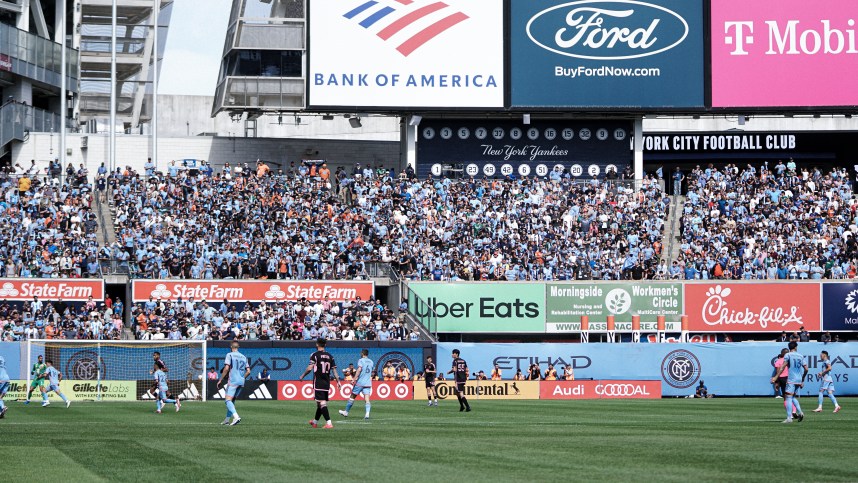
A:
[670,439]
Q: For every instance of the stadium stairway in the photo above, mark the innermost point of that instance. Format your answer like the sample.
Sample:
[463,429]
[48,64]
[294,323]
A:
[672,228]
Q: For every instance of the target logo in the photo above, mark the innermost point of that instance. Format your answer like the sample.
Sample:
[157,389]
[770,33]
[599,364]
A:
[382,390]
[288,391]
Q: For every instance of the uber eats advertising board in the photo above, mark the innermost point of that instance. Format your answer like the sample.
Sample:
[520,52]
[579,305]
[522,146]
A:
[481,307]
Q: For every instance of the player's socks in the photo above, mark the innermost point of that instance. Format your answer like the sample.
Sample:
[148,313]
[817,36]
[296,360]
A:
[820,400]
[64,398]
[833,399]
[368,406]
[230,408]
[788,406]
[318,413]
[2,405]
[326,415]
[797,406]
[349,405]
[465,400]
[158,405]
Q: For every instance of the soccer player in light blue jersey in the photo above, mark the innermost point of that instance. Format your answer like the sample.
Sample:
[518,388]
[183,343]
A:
[4,386]
[235,367]
[161,381]
[827,384]
[362,385]
[54,378]
[797,372]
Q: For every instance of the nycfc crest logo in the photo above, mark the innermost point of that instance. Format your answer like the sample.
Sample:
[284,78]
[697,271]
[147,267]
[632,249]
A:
[84,365]
[680,369]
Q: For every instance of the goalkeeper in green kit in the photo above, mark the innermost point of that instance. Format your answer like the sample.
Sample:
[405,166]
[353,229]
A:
[39,373]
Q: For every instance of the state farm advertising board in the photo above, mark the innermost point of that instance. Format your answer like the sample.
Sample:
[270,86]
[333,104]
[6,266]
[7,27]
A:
[752,307]
[71,290]
[406,54]
[784,53]
[250,290]
[383,390]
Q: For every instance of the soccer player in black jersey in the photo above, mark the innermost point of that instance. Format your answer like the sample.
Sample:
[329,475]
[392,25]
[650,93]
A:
[429,372]
[460,373]
[322,365]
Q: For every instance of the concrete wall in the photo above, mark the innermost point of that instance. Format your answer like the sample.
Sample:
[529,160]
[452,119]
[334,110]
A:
[133,150]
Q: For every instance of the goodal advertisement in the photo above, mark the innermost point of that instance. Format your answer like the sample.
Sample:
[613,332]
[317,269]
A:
[784,53]
[403,53]
[611,53]
[566,303]
[481,307]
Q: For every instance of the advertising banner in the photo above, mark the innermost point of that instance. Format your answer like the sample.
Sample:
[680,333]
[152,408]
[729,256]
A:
[381,390]
[288,364]
[600,390]
[720,142]
[252,391]
[481,307]
[607,53]
[840,306]
[728,369]
[783,53]
[5,62]
[565,303]
[490,148]
[404,55]
[506,390]
[78,391]
[250,290]
[70,290]
[753,307]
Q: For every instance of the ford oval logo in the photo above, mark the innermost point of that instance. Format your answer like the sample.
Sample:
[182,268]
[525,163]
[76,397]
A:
[607,29]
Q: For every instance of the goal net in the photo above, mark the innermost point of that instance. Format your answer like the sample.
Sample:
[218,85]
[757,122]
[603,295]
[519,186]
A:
[121,370]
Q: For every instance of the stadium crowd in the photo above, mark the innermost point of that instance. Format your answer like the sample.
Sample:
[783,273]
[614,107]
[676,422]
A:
[309,223]
[57,319]
[301,320]
[778,223]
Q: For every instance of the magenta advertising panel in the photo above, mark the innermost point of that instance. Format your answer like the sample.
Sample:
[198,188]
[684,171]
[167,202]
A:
[784,53]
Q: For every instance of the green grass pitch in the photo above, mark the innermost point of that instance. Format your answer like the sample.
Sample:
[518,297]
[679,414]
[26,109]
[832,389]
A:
[663,440]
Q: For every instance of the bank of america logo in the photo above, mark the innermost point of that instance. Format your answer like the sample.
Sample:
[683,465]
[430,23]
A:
[417,21]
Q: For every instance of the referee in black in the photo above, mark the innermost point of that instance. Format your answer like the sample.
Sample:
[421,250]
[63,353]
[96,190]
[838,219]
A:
[460,372]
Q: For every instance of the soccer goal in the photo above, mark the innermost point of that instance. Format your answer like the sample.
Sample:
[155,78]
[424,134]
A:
[96,370]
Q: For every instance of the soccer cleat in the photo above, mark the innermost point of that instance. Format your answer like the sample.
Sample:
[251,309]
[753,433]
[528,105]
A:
[818,410]
[366,418]
[436,404]
[68,403]
[235,421]
[225,422]
[3,412]
[789,420]
[794,415]
[430,404]
[468,410]
[46,404]
[178,405]
[343,413]
[800,417]
[313,425]
[837,409]
[328,426]
[158,411]
[27,401]
[779,397]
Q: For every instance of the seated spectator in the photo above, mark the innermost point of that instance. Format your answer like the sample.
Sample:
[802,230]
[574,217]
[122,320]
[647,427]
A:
[701,391]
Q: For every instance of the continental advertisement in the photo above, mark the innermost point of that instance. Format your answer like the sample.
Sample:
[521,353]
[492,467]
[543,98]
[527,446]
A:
[479,307]
[79,391]
[566,303]
[506,390]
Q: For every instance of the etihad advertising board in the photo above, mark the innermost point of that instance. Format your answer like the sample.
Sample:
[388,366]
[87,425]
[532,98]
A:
[611,53]
[480,307]
[250,290]
[784,53]
[398,53]
[753,307]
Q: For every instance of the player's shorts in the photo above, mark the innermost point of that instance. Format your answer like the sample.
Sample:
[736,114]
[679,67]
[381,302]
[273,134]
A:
[791,387]
[358,390]
[430,383]
[37,383]
[322,392]
[54,387]
[826,386]
[4,388]
[782,382]
[231,391]
[460,387]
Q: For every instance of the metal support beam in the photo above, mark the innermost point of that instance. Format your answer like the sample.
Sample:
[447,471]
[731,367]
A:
[155,85]
[638,155]
[112,160]
[63,86]
[39,18]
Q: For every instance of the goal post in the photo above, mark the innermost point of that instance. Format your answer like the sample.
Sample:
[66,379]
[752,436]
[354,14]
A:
[107,370]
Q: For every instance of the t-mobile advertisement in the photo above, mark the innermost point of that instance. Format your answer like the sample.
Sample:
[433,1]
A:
[784,53]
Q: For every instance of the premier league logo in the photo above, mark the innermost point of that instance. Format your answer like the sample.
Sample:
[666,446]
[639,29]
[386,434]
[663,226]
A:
[680,369]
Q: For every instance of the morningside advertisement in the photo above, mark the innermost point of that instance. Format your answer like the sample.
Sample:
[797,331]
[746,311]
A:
[784,53]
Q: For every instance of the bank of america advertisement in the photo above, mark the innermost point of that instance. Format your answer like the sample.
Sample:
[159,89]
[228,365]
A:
[414,53]
[784,53]
[607,54]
